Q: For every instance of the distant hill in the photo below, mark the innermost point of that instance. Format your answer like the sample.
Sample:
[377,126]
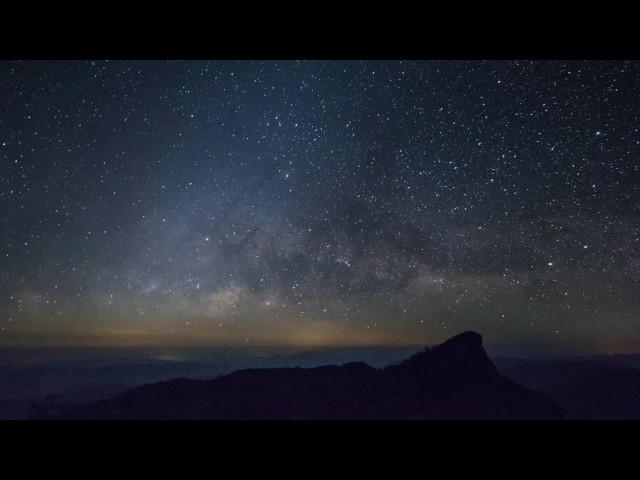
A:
[599,388]
[454,380]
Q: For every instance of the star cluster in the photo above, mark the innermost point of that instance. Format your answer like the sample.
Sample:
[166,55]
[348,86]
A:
[320,202]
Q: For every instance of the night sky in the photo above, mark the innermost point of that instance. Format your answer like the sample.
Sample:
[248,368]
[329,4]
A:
[320,203]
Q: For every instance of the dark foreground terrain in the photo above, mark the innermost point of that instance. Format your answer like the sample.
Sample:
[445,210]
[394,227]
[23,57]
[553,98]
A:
[455,380]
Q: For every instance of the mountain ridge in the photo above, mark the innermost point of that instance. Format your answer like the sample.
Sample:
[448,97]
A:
[453,380]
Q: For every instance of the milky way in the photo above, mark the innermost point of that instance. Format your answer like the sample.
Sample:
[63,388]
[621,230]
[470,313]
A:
[320,203]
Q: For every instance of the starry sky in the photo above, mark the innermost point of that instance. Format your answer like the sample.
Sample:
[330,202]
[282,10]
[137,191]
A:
[314,203]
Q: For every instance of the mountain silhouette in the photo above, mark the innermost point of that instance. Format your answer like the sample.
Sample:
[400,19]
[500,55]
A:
[454,380]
